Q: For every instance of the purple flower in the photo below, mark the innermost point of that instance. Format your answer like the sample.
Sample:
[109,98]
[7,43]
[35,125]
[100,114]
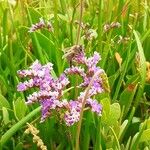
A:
[112,25]
[36,66]
[21,87]
[32,98]
[46,105]
[92,62]
[37,26]
[80,58]
[75,70]
[96,107]
[61,82]
[40,25]
[50,89]
[73,115]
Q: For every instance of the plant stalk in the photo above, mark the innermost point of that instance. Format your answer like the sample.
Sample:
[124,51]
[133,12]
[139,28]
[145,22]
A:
[80,21]
[17,126]
[82,109]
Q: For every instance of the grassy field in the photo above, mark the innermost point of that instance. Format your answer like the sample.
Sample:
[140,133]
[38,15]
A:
[92,60]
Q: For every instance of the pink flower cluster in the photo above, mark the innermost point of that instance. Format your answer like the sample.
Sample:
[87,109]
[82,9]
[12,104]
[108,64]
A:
[50,89]
[40,25]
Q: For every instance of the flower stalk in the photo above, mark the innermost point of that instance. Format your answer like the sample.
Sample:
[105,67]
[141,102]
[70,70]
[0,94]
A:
[80,21]
[82,109]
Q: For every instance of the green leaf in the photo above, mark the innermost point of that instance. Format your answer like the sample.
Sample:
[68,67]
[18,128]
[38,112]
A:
[137,137]
[114,114]
[134,139]
[112,79]
[128,144]
[106,105]
[142,69]
[63,17]
[147,123]
[19,146]
[20,108]
[3,102]
[145,136]
[5,115]
[122,127]
[106,108]
[3,89]
[18,125]
[116,139]
[127,97]
[47,45]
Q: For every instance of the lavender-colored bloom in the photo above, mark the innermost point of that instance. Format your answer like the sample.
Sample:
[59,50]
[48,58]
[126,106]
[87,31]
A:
[40,25]
[24,73]
[32,98]
[80,58]
[107,27]
[37,26]
[62,82]
[46,105]
[21,87]
[96,107]
[49,26]
[73,115]
[36,65]
[50,90]
[75,70]
[92,61]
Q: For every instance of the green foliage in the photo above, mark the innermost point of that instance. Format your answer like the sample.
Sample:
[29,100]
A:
[3,102]
[111,113]
[20,108]
[5,115]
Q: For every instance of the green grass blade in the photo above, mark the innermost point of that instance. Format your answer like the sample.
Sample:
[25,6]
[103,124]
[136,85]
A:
[142,70]
[17,126]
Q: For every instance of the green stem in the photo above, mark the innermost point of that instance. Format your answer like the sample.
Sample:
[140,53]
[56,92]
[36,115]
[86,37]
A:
[34,37]
[17,126]
[71,25]
[100,27]
[82,109]
[115,136]
[128,124]
[98,135]
[80,21]
[56,23]
[78,37]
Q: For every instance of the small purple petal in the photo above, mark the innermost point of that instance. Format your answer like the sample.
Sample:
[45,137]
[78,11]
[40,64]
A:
[21,87]
[96,107]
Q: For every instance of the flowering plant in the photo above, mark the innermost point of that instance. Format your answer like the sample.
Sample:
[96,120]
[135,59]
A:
[50,89]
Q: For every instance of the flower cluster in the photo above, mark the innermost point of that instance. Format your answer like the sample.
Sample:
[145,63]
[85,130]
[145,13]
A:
[112,25]
[123,39]
[50,89]
[40,25]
